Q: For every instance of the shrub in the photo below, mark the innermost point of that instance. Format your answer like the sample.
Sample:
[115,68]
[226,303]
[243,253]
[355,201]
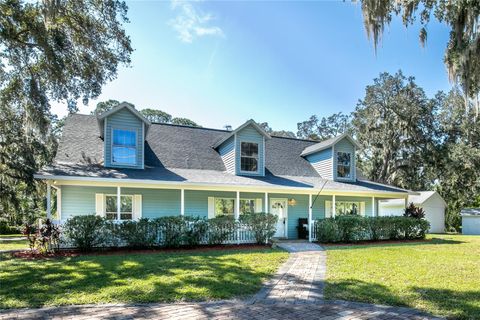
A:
[31,233]
[195,232]
[7,229]
[351,228]
[379,227]
[414,212]
[44,239]
[170,230]
[220,229]
[137,234]
[356,228]
[48,239]
[263,225]
[85,232]
[113,234]
[327,230]
[180,230]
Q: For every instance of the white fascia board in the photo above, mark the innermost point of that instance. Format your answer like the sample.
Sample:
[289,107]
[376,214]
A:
[139,183]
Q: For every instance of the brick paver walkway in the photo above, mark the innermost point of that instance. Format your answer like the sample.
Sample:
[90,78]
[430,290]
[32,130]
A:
[332,310]
[300,279]
[295,293]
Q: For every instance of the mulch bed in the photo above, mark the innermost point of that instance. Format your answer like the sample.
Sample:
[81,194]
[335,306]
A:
[372,243]
[32,255]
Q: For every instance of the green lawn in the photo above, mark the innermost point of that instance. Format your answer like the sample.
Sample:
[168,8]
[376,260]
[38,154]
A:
[441,276]
[13,244]
[130,278]
[2,236]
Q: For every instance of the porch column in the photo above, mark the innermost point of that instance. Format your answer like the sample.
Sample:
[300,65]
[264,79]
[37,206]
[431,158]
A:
[266,202]
[333,206]
[182,202]
[237,206]
[374,207]
[119,202]
[310,218]
[59,203]
[49,202]
[406,203]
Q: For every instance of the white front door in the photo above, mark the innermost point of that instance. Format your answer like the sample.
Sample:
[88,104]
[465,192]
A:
[279,208]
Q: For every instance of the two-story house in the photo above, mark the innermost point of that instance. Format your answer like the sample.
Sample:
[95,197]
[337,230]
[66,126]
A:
[121,166]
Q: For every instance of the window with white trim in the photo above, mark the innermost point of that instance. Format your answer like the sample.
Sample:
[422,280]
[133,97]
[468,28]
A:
[343,164]
[247,205]
[126,207]
[226,206]
[249,156]
[345,208]
[124,146]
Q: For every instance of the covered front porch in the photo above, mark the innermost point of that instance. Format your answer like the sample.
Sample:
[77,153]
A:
[123,201]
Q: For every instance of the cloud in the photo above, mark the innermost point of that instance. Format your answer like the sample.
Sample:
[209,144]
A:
[191,23]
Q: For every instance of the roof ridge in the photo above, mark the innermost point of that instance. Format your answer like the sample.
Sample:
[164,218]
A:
[187,126]
[296,139]
[210,129]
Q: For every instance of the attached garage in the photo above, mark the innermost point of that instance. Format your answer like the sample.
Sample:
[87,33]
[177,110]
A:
[471,221]
[431,202]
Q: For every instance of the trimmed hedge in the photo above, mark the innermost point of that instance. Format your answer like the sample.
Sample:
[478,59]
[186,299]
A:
[263,225]
[7,229]
[356,228]
[88,232]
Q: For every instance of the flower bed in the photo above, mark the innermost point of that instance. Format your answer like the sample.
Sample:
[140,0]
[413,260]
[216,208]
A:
[89,232]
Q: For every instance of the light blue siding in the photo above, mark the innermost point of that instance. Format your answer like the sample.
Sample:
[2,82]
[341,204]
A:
[322,162]
[123,119]
[80,200]
[318,210]
[157,202]
[250,134]
[344,145]
[227,152]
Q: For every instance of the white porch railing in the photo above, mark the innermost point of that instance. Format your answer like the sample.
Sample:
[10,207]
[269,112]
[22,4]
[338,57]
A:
[237,233]
[313,231]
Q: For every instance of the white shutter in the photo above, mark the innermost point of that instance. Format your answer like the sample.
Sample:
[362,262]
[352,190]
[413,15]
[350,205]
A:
[362,209]
[328,209]
[137,206]
[100,204]
[211,207]
[258,205]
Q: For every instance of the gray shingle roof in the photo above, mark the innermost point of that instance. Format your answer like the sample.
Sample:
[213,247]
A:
[185,154]
[470,212]
[322,145]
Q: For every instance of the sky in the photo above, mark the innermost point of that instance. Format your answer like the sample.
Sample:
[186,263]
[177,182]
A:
[224,62]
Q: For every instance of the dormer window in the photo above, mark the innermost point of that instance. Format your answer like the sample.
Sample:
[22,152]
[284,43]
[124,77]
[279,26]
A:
[124,147]
[343,164]
[249,157]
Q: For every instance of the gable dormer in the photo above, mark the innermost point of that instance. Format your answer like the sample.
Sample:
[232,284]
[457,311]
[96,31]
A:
[243,150]
[123,130]
[334,159]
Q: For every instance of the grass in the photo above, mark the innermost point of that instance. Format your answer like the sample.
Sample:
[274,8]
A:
[440,276]
[135,278]
[13,244]
[2,236]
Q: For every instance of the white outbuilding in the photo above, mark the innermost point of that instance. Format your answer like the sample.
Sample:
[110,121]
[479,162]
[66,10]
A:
[470,221]
[431,202]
